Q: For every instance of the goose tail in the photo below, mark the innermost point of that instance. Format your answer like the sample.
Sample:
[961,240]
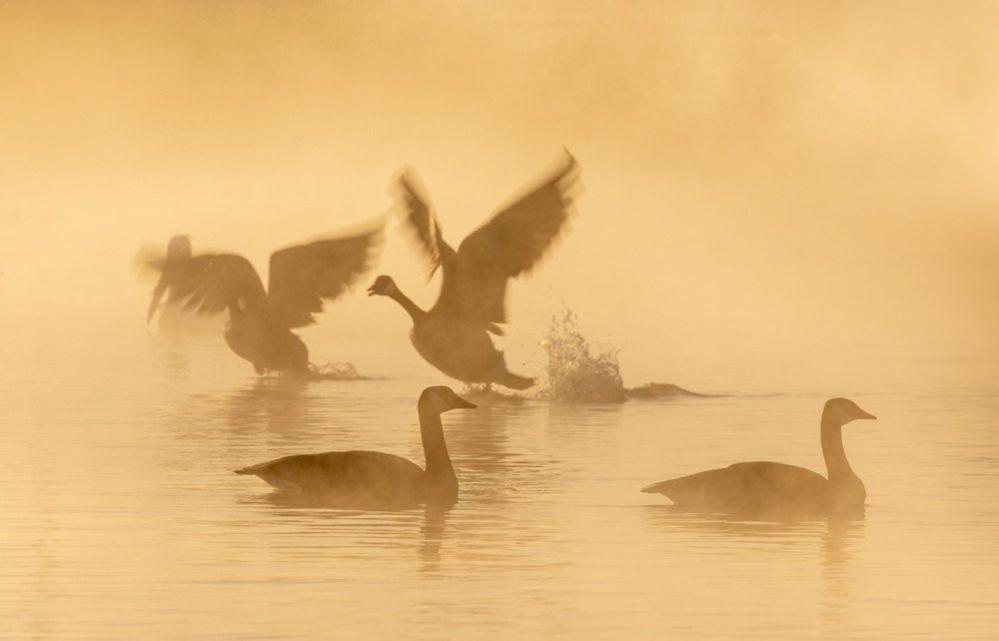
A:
[657,488]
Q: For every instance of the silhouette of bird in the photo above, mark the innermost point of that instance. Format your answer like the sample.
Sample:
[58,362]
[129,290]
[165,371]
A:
[453,335]
[775,489]
[376,480]
[260,322]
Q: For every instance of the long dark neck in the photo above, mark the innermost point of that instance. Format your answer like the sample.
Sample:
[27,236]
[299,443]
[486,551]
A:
[837,467]
[411,308]
[434,447]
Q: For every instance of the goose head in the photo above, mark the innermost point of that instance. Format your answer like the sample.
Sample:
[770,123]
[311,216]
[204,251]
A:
[442,398]
[179,248]
[383,286]
[842,410]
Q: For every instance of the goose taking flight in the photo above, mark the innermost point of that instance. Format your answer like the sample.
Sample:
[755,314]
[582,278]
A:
[776,489]
[453,335]
[260,322]
[375,480]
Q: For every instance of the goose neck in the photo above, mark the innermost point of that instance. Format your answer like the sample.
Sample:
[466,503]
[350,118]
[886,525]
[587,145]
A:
[411,308]
[434,447]
[837,467]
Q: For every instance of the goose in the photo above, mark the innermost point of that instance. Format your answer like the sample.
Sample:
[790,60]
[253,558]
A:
[376,480]
[453,335]
[260,322]
[777,489]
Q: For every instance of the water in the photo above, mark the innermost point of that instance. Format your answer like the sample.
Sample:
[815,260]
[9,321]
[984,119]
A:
[122,518]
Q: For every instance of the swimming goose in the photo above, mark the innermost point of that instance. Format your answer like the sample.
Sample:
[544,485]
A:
[453,335]
[375,480]
[260,322]
[777,489]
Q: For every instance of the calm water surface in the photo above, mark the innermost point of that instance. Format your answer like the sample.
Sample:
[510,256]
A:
[122,519]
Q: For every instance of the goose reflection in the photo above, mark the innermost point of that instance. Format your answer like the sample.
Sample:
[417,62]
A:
[835,535]
[278,405]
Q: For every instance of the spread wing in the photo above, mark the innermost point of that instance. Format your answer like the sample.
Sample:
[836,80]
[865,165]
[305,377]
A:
[509,245]
[423,222]
[178,253]
[302,276]
[211,283]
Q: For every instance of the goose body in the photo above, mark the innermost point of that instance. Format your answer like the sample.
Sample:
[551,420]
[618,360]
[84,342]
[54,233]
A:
[778,490]
[463,351]
[261,321]
[454,335]
[266,344]
[375,480]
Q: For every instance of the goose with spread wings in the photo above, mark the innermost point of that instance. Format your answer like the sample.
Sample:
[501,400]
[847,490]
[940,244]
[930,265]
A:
[453,335]
[260,321]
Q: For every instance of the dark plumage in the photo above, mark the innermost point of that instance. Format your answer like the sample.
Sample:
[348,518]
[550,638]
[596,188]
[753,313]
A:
[777,490]
[375,480]
[453,335]
[260,321]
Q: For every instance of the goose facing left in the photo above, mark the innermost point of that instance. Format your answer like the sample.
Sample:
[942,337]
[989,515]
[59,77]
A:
[453,335]
[260,321]
[376,480]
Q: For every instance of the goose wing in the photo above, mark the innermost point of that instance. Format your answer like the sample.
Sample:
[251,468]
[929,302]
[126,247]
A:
[302,276]
[423,223]
[178,253]
[508,245]
[355,477]
[210,283]
[746,487]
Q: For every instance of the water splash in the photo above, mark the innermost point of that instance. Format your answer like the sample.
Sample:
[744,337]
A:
[577,372]
[487,394]
[580,373]
[335,372]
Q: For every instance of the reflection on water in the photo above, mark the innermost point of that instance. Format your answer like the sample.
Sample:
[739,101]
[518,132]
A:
[125,509]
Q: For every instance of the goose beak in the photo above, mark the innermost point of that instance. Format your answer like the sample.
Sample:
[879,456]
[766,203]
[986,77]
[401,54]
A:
[371,291]
[463,404]
[867,415]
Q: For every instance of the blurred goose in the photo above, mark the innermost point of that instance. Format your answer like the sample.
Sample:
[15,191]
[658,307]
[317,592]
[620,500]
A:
[260,322]
[453,335]
[173,318]
[777,489]
[375,480]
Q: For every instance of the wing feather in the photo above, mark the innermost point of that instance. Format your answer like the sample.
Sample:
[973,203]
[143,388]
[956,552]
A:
[301,277]
[509,245]
[423,222]
[210,283]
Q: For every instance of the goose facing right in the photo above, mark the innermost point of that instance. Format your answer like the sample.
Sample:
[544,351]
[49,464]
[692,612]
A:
[767,489]
[375,480]
[453,335]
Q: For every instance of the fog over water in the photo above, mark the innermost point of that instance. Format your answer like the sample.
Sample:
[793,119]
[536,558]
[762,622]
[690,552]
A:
[780,204]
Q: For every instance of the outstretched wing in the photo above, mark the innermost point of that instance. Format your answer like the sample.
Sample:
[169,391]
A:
[423,222]
[211,283]
[178,253]
[509,245]
[302,276]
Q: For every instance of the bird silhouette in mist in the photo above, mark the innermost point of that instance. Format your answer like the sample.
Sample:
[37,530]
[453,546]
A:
[777,490]
[453,335]
[260,322]
[375,480]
